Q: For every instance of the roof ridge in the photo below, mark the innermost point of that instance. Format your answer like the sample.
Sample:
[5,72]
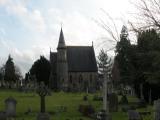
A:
[77,46]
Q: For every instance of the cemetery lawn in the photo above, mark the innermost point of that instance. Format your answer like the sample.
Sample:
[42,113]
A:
[53,104]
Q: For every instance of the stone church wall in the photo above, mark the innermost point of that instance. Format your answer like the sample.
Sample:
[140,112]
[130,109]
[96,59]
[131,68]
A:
[82,81]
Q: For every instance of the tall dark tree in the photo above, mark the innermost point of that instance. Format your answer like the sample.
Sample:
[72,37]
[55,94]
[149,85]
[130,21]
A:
[115,74]
[123,57]
[148,51]
[10,75]
[41,70]
[27,75]
[148,60]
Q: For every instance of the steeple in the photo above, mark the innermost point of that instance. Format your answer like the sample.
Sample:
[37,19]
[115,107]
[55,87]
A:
[61,43]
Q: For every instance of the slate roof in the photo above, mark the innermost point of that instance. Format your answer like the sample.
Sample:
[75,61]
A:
[81,59]
[61,43]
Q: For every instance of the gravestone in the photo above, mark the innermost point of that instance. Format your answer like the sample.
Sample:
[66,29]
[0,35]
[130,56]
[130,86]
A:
[133,115]
[157,109]
[113,102]
[10,104]
[42,92]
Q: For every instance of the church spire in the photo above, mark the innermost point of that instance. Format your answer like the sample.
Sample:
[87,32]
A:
[61,43]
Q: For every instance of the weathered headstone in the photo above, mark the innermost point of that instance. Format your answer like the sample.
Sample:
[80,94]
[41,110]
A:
[10,104]
[157,109]
[42,92]
[113,102]
[133,115]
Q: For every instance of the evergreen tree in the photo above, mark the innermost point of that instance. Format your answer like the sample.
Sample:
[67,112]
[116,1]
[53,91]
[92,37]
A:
[123,57]
[10,75]
[146,59]
[104,62]
[41,70]
[149,55]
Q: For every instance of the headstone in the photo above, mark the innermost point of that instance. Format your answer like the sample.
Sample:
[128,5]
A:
[113,102]
[157,109]
[133,115]
[10,104]
[42,92]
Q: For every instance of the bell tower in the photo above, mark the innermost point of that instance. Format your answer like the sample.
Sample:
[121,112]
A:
[62,65]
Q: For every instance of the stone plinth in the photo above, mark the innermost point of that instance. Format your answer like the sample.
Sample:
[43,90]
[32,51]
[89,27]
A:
[43,116]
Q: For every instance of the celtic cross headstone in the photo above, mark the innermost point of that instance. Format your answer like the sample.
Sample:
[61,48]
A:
[42,92]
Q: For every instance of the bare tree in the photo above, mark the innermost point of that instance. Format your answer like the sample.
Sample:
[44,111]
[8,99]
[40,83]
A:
[107,23]
[148,15]
[113,30]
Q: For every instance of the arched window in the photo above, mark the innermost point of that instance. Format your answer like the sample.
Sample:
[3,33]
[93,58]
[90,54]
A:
[70,78]
[80,78]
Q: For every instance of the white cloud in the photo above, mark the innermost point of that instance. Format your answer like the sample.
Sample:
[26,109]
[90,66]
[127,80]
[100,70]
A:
[32,19]
[2,32]
[3,2]
[78,26]
[38,20]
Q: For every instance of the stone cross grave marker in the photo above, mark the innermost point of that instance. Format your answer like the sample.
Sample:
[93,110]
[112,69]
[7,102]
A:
[42,92]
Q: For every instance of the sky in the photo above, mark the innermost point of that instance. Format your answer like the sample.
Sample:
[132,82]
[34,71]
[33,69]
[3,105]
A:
[30,28]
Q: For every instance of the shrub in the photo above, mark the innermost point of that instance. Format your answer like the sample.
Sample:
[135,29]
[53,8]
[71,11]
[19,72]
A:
[97,98]
[125,108]
[124,100]
[85,98]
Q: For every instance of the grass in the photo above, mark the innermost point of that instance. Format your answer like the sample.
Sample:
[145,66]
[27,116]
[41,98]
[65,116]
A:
[53,103]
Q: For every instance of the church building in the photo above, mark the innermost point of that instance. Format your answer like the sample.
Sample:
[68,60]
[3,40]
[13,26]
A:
[73,68]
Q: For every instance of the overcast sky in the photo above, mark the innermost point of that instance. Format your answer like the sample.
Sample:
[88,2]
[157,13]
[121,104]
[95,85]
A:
[29,28]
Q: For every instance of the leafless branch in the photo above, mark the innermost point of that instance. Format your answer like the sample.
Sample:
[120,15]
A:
[148,14]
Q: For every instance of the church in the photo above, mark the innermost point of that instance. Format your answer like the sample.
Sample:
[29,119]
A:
[73,68]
